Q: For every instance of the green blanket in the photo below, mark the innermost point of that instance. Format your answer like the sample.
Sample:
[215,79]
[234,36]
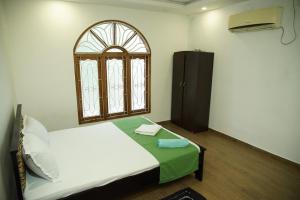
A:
[174,163]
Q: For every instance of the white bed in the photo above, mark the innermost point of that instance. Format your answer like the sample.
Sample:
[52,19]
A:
[102,161]
[89,159]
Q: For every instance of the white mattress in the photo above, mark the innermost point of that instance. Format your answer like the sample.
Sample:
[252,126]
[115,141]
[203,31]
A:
[108,155]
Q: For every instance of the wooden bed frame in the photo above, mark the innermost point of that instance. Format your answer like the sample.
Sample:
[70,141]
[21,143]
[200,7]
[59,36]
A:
[110,191]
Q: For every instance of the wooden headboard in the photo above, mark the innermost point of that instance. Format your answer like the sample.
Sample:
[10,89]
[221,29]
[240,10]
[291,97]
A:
[16,154]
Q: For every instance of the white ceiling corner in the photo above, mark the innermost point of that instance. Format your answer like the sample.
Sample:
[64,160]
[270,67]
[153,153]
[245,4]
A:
[187,7]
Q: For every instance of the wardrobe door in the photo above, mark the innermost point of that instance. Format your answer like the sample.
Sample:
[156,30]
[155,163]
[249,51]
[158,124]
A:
[177,87]
[204,90]
[190,90]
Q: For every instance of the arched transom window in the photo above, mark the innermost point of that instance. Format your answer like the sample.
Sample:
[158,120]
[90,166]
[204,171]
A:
[112,71]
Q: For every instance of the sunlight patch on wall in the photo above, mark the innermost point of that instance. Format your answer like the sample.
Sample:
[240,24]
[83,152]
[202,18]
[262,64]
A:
[212,19]
[58,12]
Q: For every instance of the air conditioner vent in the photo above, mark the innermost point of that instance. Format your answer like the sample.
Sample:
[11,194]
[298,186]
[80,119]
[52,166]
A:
[267,18]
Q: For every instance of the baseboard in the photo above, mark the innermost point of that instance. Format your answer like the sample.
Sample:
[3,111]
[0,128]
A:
[245,143]
[166,121]
[256,148]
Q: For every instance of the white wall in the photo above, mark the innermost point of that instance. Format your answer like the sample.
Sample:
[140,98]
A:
[6,114]
[42,36]
[256,83]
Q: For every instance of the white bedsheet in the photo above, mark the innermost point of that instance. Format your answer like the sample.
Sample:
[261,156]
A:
[89,157]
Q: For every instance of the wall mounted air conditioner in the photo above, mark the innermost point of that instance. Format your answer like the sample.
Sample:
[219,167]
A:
[267,18]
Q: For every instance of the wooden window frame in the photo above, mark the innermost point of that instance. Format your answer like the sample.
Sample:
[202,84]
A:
[102,77]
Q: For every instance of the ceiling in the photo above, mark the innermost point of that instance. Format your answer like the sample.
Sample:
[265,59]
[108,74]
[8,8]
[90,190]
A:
[180,2]
[188,7]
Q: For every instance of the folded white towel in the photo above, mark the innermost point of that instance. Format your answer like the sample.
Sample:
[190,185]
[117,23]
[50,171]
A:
[145,129]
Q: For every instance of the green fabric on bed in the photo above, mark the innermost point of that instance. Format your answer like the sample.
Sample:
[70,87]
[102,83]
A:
[174,163]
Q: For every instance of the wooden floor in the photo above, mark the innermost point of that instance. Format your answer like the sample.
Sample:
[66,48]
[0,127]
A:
[232,171]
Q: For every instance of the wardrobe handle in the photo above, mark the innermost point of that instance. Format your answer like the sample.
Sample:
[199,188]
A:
[183,85]
[180,84]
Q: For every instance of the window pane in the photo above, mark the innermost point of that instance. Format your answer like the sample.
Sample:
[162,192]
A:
[88,43]
[105,32]
[137,84]
[114,50]
[115,85]
[89,88]
[123,33]
[136,44]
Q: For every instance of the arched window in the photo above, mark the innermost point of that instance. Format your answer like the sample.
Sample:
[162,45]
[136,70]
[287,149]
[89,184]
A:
[112,72]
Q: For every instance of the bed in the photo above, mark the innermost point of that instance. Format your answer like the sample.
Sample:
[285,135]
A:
[86,170]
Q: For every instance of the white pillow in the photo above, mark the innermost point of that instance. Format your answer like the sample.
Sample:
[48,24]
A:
[33,126]
[38,158]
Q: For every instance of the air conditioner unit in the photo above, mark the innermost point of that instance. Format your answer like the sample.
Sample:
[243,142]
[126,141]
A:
[267,18]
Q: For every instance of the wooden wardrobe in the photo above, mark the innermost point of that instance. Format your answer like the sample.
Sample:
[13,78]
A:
[191,89]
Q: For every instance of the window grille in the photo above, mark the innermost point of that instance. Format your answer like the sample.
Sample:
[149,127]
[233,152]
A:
[112,72]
